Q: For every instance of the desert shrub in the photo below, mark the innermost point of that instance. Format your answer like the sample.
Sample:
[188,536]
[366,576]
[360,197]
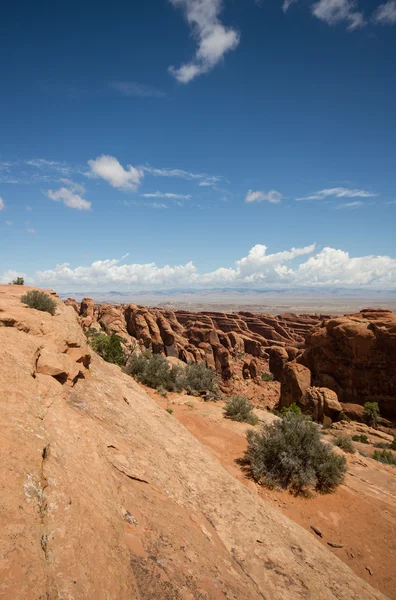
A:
[239,408]
[371,413]
[154,371]
[363,439]
[267,377]
[108,347]
[40,301]
[18,281]
[393,444]
[345,443]
[290,454]
[199,379]
[293,408]
[382,445]
[385,456]
[170,411]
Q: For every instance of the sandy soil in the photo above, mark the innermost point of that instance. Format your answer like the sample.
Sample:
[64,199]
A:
[360,516]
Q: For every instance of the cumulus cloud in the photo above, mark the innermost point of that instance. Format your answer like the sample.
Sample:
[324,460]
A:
[132,88]
[338,192]
[213,39]
[2,205]
[108,168]
[11,275]
[336,11]
[272,196]
[71,195]
[167,195]
[296,267]
[386,13]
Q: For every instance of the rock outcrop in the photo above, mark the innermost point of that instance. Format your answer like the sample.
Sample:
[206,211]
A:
[105,495]
[355,356]
[210,337]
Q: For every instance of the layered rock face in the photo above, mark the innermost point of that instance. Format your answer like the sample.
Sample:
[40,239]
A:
[106,496]
[355,356]
[211,337]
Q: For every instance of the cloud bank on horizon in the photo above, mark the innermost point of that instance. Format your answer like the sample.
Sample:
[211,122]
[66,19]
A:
[323,268]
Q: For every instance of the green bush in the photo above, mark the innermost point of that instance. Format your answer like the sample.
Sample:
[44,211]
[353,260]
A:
[40,301]
[290,454]
[239,408]
[371,413]
[385,456]
[199,379]
[18,281]
[267,377]
[393,444]
[363,439]
[345,443]
[343,417]
[154,371]
[382,445]
[108,347]
[293,408]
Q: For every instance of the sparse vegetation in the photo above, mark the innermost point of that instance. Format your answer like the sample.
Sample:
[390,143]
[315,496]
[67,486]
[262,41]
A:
[40,301]
[154,371]
[198,379]
[170,411]
[293,408]
[393,444]
[239,408]
[385,456]
[382,445]
[267,376]
[18,281]
[363,439]
[343,417]
[290,454]
[345,443]
[108,347]
[371,413]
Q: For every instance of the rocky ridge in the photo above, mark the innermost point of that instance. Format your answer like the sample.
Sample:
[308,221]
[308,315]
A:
[107,496]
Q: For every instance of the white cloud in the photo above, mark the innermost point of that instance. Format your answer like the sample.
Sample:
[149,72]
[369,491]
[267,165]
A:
[181,174]
[158,205]
[297,267]
[336,11]
[339,192]
[354,204]
[386,13]
[9,223]
[70,196]
[271,196]
[132,88]
[2,205]
[11,275]
[108,168]
[287,4]
[214,40]
[31,230]
[167,195]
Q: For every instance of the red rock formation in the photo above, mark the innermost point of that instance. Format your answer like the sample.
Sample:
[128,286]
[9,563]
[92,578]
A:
[355,356]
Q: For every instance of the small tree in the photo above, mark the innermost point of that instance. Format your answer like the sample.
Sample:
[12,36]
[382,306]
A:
[290,454]
[239,408]
[40,301]
[108,347]
[18,281]
[371,413]
[293,408]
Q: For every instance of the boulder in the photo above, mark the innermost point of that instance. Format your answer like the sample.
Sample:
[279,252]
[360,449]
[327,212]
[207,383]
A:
[278,358]
[296,379]
[321,403]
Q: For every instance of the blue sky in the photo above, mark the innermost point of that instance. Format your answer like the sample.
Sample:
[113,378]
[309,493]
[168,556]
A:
[184,143]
